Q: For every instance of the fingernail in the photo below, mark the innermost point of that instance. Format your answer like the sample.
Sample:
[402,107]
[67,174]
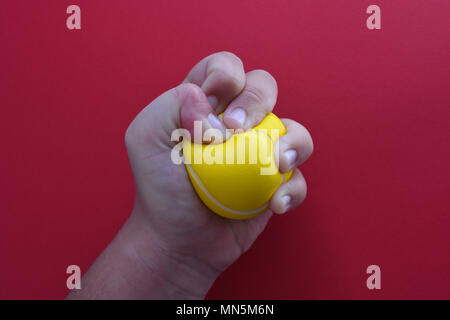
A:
[212,101]
[238,115]
[214,122]
[291,156]
[286,202]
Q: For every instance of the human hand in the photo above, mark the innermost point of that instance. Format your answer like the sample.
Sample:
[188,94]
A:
[172,246]
[181,226]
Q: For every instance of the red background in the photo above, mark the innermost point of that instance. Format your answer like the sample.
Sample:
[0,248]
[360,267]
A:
[376,103]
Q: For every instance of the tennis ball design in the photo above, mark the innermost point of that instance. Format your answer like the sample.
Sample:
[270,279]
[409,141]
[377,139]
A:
[237,178]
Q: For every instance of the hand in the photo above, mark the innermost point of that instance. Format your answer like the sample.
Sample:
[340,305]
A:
[180,222]
[171,234]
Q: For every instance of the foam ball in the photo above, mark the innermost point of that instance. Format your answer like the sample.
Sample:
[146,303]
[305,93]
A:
[237,178]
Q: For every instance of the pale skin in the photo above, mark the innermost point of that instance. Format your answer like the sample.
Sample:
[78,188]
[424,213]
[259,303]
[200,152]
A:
[172,246]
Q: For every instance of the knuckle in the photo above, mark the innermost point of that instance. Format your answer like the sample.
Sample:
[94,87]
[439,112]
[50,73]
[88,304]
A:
[129,136]
[228,79]
[264,84]
[260,73]
[310,147]
[302,190]
[307,145]
[187,89]
[255,94]
[225,70]
[229,55]
[300,136]
[235,81]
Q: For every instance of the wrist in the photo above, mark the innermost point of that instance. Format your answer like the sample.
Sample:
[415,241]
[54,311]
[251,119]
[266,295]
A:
[172,274]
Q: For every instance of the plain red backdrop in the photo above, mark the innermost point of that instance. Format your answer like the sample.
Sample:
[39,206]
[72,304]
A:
[376,103]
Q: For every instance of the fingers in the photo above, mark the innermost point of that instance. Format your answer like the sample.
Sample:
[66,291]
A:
[290,194]
[247,98]
[294,147]
[256,100]
[221,77]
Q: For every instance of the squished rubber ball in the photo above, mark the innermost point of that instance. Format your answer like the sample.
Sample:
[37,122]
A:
[237,178]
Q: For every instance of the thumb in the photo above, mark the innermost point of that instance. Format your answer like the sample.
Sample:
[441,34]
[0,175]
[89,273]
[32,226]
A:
[177,108]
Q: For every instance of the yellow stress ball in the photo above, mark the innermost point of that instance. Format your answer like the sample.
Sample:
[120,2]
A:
[237,178]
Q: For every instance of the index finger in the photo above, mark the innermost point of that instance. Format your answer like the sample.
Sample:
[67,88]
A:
[221,77]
